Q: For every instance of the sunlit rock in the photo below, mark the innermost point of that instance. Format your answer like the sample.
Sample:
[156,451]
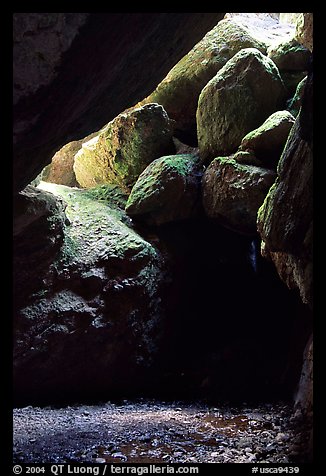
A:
[238,99]
[125,147]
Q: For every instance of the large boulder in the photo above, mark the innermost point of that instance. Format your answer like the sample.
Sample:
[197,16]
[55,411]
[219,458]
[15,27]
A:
[238,99]
[180,89]
[286,216]
[268,140]
[93,327]
[233,193]
[166,191]
[125,147]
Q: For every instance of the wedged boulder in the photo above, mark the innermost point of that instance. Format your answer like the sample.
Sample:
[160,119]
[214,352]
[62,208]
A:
[38,233]
[125,147]
[93,327]
[304,30]
[238,99]
[290,56]
[166,191]
[286,216]
[233,193]
[61,169]
[268,140]
[179,91]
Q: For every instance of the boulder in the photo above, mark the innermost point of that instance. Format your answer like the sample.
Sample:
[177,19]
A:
[61,168]
[286,216]
[268,140]
[179,91]
[294,103]
[290,56]
[166,191]
[125,147]
[233,193]
[93,326]
[304,30]
[238,99]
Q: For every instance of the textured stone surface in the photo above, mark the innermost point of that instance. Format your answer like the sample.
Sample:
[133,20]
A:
[268,140]
[285,218]
[38,226]
[166,191]
[125,147]
[91,82]
[238,99]
[294,103]
[290,56]
[94,323]
[179,91]
[304,30]
[233,193]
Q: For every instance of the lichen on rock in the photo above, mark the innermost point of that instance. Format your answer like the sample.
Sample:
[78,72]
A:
[167,190]
[179,91]
[238,99]
[125,147]
[268,140]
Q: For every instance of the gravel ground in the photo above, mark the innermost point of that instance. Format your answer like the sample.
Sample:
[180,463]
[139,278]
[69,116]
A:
[154,432]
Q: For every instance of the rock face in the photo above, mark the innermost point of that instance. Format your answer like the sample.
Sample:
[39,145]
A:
[294,103]
[304,30]
[166,191]
[179,91]
[94,324]
[285,218]
[125,147]
[238,99]
[39,220]
[233,193]
[67,91]
[268,140]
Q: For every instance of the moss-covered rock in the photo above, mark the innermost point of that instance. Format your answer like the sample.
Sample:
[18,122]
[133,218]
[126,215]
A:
[290,56]
[233,193]
[166,191]
[268,140]
[179,91]
[125,147]
[238,99]
[294,104]
[286,216]
[101,289]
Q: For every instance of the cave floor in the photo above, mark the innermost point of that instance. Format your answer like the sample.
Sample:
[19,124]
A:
[155,432]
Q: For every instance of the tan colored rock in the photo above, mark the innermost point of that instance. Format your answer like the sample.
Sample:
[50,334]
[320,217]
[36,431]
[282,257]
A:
[304,30]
